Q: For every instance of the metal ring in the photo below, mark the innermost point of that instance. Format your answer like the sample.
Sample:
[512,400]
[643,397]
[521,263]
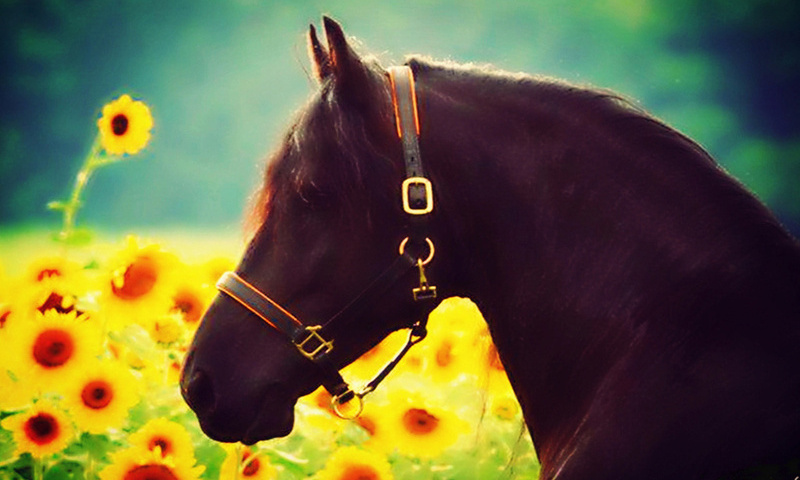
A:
[430,249]
[335,404]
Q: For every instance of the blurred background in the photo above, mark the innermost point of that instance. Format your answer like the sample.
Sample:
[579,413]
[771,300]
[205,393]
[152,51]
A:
[223,79]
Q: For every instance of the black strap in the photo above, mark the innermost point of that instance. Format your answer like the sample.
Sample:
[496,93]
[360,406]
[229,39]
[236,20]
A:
[264,307]
[417,190]
[406,115]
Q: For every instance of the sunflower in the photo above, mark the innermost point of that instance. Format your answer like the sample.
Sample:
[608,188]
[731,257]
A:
[100,396]
[168,438]
[370,363]
[505,407]
[125,126]
[165,329]
[190,301]
[42,430]
[53,269]
[141,464]
[243,463]
[211,270]
[416,426]
[138,284]
[51,349]
[353,463]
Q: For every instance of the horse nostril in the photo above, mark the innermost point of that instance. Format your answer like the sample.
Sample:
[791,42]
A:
[199,392]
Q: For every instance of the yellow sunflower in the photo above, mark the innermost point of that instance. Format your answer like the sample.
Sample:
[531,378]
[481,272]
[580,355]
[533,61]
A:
[100,396]
[242,462]
[138,284]
[414,425]
[353,463]
[42,430]
[141,464]
[505,407]
[53,269]
[370,363]
[190,300]
[125,126]
[168,438]
[51,349]
[211,270]
[165,329]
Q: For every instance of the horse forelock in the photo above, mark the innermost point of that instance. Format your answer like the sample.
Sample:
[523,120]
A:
[330,149]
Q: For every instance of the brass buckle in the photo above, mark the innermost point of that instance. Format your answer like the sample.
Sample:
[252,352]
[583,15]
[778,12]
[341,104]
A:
[319,344]
[407,183]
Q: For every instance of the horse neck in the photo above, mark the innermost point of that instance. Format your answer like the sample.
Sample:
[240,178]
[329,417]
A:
[561,231]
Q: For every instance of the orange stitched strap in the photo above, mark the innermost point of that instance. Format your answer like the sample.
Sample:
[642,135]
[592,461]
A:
[411,92]
[254,300]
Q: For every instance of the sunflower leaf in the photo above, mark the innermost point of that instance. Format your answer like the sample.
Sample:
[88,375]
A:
[6,445]
[97,446]
[65,470]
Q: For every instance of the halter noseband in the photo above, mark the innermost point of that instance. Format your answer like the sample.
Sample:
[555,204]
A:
[313,341]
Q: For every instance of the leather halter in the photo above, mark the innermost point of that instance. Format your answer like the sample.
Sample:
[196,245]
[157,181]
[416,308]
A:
[313,341]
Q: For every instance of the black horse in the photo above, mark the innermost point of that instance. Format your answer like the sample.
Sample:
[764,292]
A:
[645,305]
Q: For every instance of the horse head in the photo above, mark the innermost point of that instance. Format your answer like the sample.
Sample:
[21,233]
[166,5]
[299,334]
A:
[329,223]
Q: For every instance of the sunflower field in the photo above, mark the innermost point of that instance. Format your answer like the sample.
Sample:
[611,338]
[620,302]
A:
[92,339]
[91,354]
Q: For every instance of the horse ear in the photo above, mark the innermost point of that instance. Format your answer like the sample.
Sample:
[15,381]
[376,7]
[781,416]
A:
[345,64]
[320,61]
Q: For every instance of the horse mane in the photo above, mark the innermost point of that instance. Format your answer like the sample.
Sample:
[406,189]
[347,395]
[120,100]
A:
[327,121]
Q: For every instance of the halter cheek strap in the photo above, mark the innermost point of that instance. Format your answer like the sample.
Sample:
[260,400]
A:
[312,341]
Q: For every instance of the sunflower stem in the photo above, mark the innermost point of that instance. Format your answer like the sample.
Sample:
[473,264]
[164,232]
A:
[71,207]
[239,461]
[38,468]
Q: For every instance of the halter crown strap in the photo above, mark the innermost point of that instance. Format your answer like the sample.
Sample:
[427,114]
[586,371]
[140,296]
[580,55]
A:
[417,190]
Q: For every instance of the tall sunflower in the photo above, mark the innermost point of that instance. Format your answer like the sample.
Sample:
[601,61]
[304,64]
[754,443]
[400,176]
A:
[125,126]
[168,439]
[48,351]
[42,430]
[353,463]
[100,396]
[141,464]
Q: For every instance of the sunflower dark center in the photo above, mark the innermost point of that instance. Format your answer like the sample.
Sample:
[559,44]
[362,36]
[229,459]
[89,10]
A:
[97,394]
[252,465]
[360,472]
[418,421]
[41,429]
[53,348]
[55,302]
[47,273]
[162,443]
[444,355]
[150,472]
[119,124]
[138,279]
[189,306]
